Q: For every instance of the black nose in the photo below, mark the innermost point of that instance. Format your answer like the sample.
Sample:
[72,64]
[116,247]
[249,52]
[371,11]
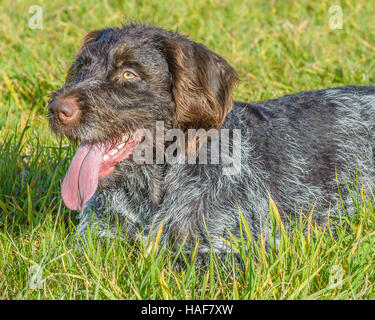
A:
[65,110]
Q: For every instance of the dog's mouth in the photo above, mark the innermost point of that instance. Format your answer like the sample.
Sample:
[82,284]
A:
[94,161]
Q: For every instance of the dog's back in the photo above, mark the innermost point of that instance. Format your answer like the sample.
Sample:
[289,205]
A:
[304,139]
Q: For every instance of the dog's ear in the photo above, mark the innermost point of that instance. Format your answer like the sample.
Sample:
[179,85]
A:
[202,84]
[92,36]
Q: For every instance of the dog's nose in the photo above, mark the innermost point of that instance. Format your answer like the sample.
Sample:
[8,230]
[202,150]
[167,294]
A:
[65,110]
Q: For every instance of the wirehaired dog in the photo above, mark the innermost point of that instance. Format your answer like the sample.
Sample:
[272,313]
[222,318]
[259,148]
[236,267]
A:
[298,149]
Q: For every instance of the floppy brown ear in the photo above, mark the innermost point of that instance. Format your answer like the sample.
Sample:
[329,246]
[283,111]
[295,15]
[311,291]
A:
[202,84]
[91,37]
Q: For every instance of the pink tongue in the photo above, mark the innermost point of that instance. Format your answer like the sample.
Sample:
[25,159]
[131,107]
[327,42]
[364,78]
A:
[81,180]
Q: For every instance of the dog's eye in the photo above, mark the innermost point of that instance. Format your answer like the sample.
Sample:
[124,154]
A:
[129,75]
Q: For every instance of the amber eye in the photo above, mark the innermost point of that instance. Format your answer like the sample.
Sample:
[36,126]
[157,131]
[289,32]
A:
[129,75]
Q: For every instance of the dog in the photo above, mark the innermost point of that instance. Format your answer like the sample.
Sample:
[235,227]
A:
[301,150]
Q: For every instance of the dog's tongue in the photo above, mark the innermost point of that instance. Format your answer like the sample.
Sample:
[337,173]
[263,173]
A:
[81,180]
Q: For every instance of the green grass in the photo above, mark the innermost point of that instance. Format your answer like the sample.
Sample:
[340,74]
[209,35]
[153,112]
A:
[278,47]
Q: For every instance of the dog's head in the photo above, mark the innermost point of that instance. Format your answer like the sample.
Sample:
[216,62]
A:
[124,79]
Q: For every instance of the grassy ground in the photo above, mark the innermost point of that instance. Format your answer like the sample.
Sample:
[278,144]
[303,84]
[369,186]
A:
[278,47]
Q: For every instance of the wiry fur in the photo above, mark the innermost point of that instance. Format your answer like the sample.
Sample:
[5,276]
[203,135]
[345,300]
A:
[291,147]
